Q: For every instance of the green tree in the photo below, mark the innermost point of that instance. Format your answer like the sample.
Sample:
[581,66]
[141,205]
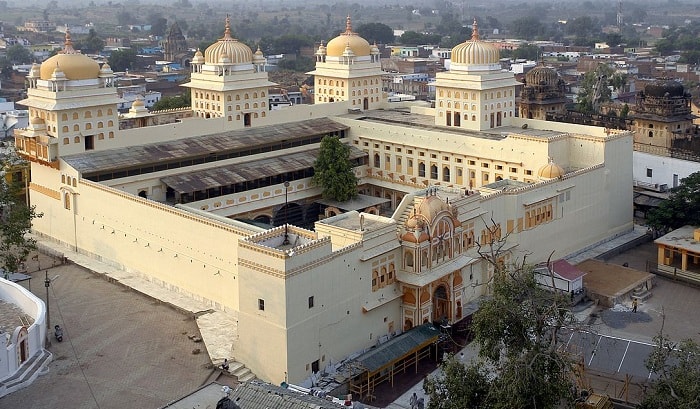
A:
[595,87]
[519,331]
[528,27]
[333,171]
[159,24]
[381,33]
[15,219]
[678,368]
[291,43]
[178,101]
[122,60]
[17,54]
[91,44]
[680,209]
[457,386]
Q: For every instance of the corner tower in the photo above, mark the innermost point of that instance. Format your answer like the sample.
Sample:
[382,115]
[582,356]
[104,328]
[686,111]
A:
[475,93]
[72,107]
[228,81]
[348,69]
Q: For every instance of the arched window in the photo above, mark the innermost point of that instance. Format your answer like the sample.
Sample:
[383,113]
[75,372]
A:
[408,258]
[65,129]
[377,163]
[255,94]
[445,174]
[110,123]
[421,169]
[100,124]
[88,125]
[88,114]
[66,200]
[64,117]
[111,134]
[228,98]
[433,171]
[76,128]
[75,115]
[76,139]
[109,111]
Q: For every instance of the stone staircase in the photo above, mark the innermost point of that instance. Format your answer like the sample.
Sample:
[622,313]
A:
[240,371]
[27,373]
[641,293]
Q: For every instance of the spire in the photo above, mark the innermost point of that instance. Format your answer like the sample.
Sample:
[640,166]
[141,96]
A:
[348,25]
[475,30]
[227,31]
[68,44]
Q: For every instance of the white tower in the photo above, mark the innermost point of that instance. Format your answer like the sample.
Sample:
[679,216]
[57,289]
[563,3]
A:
[348,69]
[72,107]
[228,81]
[476,93]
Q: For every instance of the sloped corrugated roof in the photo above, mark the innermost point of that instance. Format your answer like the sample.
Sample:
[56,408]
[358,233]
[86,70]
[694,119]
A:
[266,396]
[241,172]
[396,348]
[199,146]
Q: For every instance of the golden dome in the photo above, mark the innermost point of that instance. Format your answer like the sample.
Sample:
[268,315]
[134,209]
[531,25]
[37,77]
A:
[74,65]
[475,51]
[359,46]
[138,102]
[542,75]
[415,237]
[229,47]
[550,171]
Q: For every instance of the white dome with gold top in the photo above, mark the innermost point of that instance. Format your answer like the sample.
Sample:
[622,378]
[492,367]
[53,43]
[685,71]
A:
[228,49]
[349,39]
[474,51]
[75,66]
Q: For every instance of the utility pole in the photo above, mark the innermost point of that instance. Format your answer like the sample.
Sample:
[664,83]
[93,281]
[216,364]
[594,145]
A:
[47,284]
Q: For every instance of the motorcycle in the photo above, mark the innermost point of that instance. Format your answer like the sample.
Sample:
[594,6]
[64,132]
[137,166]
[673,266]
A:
[58,333]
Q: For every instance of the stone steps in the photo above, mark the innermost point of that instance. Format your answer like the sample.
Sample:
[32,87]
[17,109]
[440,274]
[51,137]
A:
[28,372]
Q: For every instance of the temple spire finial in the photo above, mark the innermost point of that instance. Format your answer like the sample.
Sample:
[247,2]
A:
[475,30]
[227,30]
[348,25]
[68,44]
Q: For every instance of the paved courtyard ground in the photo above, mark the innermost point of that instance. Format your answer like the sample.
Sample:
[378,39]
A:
[120,348]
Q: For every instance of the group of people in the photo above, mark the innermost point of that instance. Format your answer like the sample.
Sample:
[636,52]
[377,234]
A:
[416,402]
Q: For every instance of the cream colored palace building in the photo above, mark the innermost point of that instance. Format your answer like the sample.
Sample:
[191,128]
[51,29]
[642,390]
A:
[163,200]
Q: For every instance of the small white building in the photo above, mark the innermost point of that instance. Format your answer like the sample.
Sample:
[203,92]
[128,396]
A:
[564,277]
[22,334]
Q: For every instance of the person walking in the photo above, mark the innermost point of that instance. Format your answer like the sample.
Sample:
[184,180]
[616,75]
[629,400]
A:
[634,305]
[413,401]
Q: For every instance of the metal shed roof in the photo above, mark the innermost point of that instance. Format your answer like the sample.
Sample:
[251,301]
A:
[198,146]
[396,348]
[241,172]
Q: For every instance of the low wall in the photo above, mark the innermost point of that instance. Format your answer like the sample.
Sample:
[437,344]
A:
[31,305]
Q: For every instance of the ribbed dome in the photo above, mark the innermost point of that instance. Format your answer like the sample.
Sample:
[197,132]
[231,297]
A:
[359,46]
[431,207]
[235,51]
[475,51]
[542,75]
[550,171]
[74,65]
[660,88]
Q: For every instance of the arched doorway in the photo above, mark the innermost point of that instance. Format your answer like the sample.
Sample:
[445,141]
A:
[441,304]
[264,219]
[246,119]
[365,104]
[142,194]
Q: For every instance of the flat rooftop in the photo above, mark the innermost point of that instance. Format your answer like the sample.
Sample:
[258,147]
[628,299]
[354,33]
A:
[404,117]
[681,238]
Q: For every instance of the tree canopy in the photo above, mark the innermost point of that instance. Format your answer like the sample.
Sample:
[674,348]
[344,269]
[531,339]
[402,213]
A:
[678,368]
[18,54]
[15,218]
[333,171]
[680,209]
[122,60]
[381,33]
[595,87]
[519,333]
[178,101]
[91,44]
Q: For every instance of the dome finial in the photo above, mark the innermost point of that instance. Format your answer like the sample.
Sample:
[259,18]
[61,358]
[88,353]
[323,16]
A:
[68,44]
[227,30]
[348,25]
[475,30]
